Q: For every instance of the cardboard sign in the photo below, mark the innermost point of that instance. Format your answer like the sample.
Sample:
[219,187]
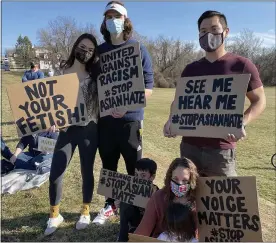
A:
[39,104]
[46,144]
[125,188]
[141,238]
[209,106]
[121,82]
[227,209]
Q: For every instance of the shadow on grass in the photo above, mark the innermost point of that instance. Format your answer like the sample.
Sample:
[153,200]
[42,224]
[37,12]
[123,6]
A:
[6,123]
[31,229]
[258,168]
[11,140]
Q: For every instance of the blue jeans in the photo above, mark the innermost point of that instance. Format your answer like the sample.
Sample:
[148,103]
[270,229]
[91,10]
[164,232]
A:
[27,160]
[5,151]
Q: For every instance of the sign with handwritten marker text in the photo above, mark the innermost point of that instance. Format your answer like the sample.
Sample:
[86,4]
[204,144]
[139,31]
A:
[121,82]
[39,104]
[209,106]
[227,209]
[125,188]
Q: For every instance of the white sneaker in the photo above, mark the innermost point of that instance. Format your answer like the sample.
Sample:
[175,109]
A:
[83,222]
[104,214]
[53,224]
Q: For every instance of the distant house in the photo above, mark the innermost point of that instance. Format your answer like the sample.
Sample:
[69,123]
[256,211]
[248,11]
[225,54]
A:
[43,56]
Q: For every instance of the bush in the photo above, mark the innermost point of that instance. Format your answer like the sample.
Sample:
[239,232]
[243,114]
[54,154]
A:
[160,81]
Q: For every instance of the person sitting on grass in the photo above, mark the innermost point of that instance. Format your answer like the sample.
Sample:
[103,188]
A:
[131,216]
[6,166]
[180,223]
[180,184]
[27,160]
[33,73]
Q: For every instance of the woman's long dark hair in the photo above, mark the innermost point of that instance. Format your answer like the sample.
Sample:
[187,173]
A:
[186,164]
[180,222]
[92,67]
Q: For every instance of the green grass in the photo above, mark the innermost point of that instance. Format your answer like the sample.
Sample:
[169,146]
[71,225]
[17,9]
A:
[24,214]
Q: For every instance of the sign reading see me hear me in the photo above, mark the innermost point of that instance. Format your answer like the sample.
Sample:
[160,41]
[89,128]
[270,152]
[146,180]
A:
[39,104]
[209,106]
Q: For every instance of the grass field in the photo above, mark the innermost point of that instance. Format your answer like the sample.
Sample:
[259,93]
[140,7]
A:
[24,214]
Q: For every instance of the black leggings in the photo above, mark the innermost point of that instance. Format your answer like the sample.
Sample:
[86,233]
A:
[86,138]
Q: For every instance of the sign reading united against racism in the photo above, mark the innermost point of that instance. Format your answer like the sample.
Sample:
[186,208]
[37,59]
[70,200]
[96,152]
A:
[209,106]
[121,82]
[39,104]
[227,209]
[46,144]
[125,188]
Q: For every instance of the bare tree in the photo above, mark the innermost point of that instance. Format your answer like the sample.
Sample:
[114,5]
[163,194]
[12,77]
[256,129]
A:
[142,39]
[266,62]
[169,58]
[90,28]
[168,52]
[246,44]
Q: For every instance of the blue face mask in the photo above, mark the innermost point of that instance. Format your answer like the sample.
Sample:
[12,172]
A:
[115,26]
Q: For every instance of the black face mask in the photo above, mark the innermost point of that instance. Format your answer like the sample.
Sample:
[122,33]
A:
[211,42]
[82,56]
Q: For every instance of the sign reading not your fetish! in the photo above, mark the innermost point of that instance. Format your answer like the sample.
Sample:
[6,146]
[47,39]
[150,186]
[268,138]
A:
[121,82]
[209,106]
[39,104]
[125,188]
[227,209]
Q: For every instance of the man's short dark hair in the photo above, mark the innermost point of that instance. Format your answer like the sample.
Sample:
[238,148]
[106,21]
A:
[32,64]
[211,13]
[147,164]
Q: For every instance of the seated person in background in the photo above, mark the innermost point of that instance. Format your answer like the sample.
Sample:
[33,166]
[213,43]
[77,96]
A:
[180,184]
[28,160]
[51,72]
[131,216]
[5,151]
[6,166]
[33,73]
[180,223]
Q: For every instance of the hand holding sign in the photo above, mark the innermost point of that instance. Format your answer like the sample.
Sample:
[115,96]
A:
[13,159]
[167,130]
[233,138]
[118,112]
[52,129]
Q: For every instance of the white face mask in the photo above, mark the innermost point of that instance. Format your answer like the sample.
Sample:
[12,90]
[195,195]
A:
[115,26]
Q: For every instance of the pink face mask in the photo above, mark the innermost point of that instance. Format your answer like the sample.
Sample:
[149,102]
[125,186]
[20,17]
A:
[180,190]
